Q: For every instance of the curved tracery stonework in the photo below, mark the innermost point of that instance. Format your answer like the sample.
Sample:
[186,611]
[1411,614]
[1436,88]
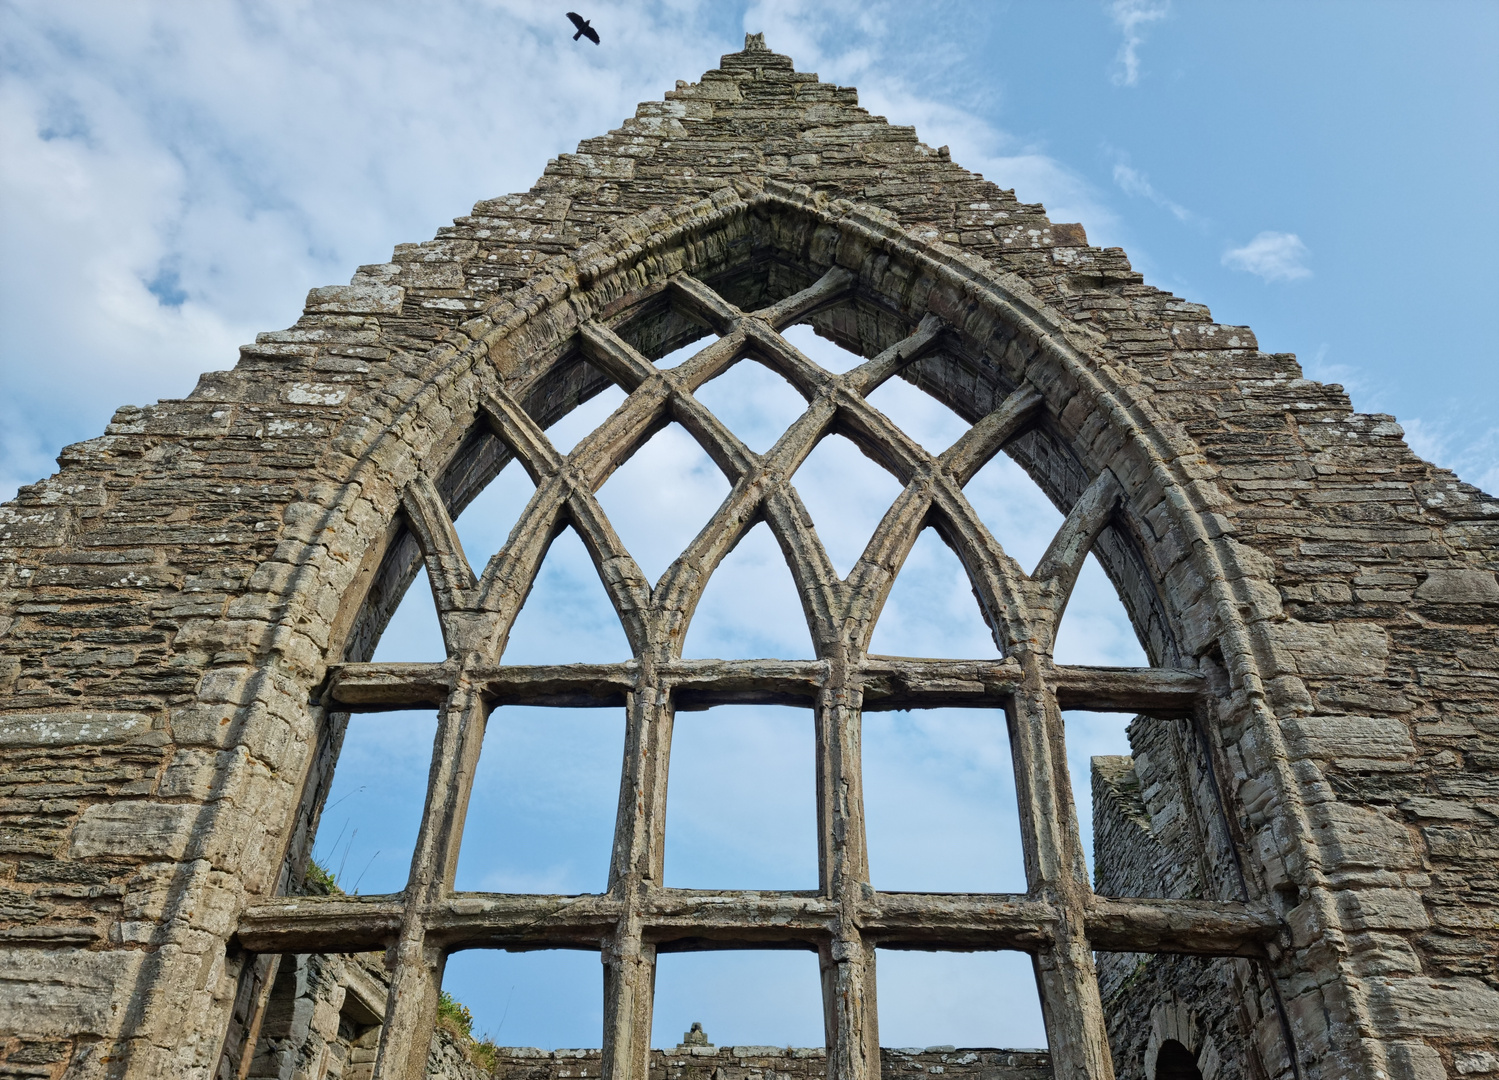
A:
[1059,921]
[477,612]
[191,605]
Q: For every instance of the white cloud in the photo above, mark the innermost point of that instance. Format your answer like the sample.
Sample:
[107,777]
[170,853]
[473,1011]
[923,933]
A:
[173,180]
[1452,445]
[845,42]
[1132,16]
[1133,182]
[1274,256]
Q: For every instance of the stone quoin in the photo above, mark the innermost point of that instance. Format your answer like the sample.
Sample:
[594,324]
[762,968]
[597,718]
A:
[1295,870]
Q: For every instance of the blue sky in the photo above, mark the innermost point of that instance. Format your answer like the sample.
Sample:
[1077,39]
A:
[173,179]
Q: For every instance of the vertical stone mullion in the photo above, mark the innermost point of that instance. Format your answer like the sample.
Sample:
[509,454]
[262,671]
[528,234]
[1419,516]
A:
[1073,1009]
[850,1013]
[629,1000]
[634,875]
[842,855]
[416,971]
[850,1018]
[1075,1030]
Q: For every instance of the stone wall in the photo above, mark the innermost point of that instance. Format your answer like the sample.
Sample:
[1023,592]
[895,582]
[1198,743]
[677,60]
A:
[1146,843]
[321,1025]
[778,1063]
[172,598]
[323,1021]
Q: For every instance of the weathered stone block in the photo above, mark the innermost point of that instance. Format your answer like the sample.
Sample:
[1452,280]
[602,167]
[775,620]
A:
[1416,1061]
[364,299]
[74,728]
[1459,587]
[63,993]
[1349,737]
[1443,1008]
[1476,1062]
[147,829]
[1352,837]
[1331,648]
[1383,909]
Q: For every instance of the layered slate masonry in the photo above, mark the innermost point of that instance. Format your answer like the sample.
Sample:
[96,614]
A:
[1299,880]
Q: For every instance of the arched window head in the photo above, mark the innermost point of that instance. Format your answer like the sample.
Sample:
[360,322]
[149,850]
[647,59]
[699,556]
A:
[739,277]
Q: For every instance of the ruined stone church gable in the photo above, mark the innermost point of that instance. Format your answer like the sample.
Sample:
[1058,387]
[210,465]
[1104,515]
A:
[171,600]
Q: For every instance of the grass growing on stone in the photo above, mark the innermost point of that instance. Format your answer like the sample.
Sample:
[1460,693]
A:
[454,1017]
[320,881]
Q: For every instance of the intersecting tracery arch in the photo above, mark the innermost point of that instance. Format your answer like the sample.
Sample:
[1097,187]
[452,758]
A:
[914,312]
[478,610]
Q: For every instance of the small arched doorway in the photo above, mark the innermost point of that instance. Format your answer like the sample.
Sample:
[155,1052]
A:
[1176,1062]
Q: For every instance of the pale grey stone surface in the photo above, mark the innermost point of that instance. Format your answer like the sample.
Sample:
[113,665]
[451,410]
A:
[63,993]
[71,728]
[148,829]
[371,299]
[1466,1009]
[1460,587]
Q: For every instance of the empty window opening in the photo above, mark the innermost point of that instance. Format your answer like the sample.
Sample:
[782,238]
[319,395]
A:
[741,810]
[1158,828]
[568,617]
[414,634]
[1095,741]
[367,831]
[959,999]
[569,430]
[1224,1031]
[820,350]
[682,354]
[1016,512]
[485,524]
[548,998]
[541,814]
[769,998]
[756,403]
[661,498]
[1095,627]
[939,802]
[931,610]
[931,423]
[277,1046]
[1175,1062]
[847,495]
[308,984]
[360,1018]
[750,608]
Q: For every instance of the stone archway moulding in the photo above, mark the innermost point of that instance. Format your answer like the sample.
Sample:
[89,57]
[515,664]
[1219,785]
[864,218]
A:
[862,245]
[543,321]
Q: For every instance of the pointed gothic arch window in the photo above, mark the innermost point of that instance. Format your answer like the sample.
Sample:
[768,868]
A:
[1057,921]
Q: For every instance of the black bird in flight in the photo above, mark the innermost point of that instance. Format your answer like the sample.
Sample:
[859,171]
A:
[584,30]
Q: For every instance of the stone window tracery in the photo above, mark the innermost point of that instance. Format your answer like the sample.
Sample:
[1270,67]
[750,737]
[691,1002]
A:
[1057,921]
